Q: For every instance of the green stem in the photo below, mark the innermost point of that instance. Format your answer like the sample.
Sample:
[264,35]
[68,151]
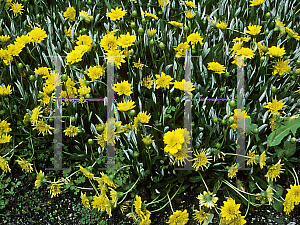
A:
[31,146]
[167,202]
[93,186]
[203,182]
[125,194]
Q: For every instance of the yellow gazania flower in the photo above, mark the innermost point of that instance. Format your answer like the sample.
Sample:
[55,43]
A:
[4,165]
[85,16]
[139,65]
[37,35]
[85,201]
[142,117]
[194,38]
[95,72]
[282,67]
[40,180]
[190,14]
[280,25]
[245,52]
[181,49]
[85,40]
[70,14]
[256,2]
[186,86]
[188,4]
[25,165]
[71,131]
[4,91]
[176,24]
[148,82]
[149,15]
[207,199]
[163,80]
[253,30]
[293,34]
[161,4]
[125,106]
[222,25]
[274,171]
[4,38]
[216,67]
[201,160]
[179,217]
[252,159]
[262,160]
[276,51]
[123,88]
[55,188]
[126,40]
[230,210]
[109,42]
[151,32]
[118,57]
[17,8]
[275,106]
[232,171]
[116,14]
[42,127]
[86,172]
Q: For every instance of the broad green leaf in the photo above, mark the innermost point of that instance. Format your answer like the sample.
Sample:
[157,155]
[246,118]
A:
[276,136]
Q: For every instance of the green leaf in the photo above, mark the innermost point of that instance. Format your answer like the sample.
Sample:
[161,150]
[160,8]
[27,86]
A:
[195,179]
[277,206]
[290,148]
[276,136]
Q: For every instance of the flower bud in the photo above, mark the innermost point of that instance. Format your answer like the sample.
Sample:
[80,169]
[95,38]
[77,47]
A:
[216,119]
[144,21]
[161,46]
[232,103]
[267,15]
[64,77]
[273,89]
[132,112]
[293,139]
[227,75]
[141,31]
[186,29]
[90,141]
[132,24]
[134,13]
[151,42]
[20,65]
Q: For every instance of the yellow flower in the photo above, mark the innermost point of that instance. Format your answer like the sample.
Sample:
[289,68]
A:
[148,82]
[37,35]
[293,34]
[151,32]
[282,67]
[95,72]
[274,171]
[42,127]
[238,220]
[116,14]
[181,49]
[17,8]
[252,159]
[142,117]
[190,14]
[200,216]
[99,203]
[5,138]
[43,71]
[71,131]
[232,171]
[194,38]
[161,4]
[125,106]
[85,201]
[230,210]
[207,199]
[163,80]
[256,2]
[25,165]
[77,54]
[4,127]
[4,38]
[118,57]
[126,40]
[139,65]
[190,4]
[245,52]
[179,217]
[109,42]
[275,106]
[4,165]
[149,15]
[40,179]
[70,14]
[86,172]
[106,180]
[262,160]
[280,25]
[201,160]
[292,198]
[176,24]
[68,32]
[55,188]
[269,193]
[222,25]
[85,16]
[276,51]
[85,40]
[35,115]
[186,86]
[5,90]
[253,30]
[216,67]
[123,88]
